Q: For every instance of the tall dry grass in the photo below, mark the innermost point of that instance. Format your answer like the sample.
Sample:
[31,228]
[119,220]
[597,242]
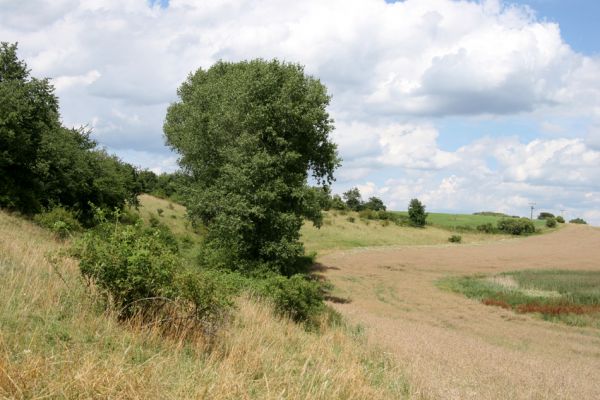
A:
[58,341]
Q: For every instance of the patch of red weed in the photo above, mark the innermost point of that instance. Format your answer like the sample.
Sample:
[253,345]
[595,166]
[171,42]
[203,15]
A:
[497,303]
[557,309]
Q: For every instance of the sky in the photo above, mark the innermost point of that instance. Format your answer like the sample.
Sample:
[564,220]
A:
[467,105]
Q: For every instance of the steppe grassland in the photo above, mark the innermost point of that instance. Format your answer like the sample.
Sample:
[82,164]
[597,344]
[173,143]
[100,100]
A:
[57,341]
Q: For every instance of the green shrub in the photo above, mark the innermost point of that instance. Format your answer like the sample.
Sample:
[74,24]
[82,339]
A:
[577,221]
[416,213]
[550,222]
[488,227]
[351,219]
[455,239]
[160,211]
[296,297]
[60,221]
[516,226]
[139,271]
[560,220]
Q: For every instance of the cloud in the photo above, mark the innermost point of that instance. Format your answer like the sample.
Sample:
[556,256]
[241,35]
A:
[394,71]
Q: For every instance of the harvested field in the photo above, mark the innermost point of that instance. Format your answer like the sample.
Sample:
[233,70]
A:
[453,347]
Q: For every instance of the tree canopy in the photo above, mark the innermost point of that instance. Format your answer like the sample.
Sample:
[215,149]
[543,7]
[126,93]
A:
[250,134]
[43,164]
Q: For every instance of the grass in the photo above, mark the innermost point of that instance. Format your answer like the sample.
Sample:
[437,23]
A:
[572,297]
[338,233]
[469,221]
[58,341]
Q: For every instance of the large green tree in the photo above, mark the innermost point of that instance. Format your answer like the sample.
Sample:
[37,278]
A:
[28,111]
[250,134]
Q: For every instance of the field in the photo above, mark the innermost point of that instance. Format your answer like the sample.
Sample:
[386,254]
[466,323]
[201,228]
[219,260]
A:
[451,346]
[454,221]
[338,233]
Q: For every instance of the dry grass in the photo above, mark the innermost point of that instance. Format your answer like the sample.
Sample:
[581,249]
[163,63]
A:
[452,347]
[57,341]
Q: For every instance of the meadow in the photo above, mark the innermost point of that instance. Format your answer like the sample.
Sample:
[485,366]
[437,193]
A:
[571,297]
[469,221]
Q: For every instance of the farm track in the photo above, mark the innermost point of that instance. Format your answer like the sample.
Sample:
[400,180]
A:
[452,347]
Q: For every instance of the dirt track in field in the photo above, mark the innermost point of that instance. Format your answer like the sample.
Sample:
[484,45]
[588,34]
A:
[452,347]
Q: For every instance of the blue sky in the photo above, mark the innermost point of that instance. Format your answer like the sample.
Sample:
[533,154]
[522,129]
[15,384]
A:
[467,105]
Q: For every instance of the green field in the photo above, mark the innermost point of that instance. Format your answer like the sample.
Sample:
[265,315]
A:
[457,221]
[571,297]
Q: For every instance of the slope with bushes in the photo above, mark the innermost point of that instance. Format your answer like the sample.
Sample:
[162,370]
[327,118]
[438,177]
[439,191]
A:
[58,339]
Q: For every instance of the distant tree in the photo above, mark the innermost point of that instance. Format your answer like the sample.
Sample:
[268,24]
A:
[353,199]
[28,111]
[337,203]
[375,204]
[577,221]
[416,213]
[249,134]
[560,220]
[545,215]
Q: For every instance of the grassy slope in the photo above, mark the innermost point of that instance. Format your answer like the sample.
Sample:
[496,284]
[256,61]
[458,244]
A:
[337,233]
[57,341]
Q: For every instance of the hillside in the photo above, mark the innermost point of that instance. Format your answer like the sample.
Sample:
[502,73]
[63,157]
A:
[57,341]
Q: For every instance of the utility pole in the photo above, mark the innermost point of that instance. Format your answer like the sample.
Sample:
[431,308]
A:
[532,205]
[561,213]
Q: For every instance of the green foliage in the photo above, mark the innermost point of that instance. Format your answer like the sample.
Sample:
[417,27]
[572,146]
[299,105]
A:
[296,297]
[353,199]
[491,214]
[545,215]
[455,239]
[337,203]
[59,220]
[416,213]
[488,227]
[28,111]
[577,221]
[160,211]
[375,204]
[351,219]
[43,164]
[249,133]
[560,220]
[516,226]
[550,222]
[139,270]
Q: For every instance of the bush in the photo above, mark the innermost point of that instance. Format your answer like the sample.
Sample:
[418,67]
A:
[560,220]
[296,297]
[416,213]
[516,226]
[160,211]
[60,221]
[139,272]
[455,239]
[351,219]
[488,227]
[577,221]
[551,222]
